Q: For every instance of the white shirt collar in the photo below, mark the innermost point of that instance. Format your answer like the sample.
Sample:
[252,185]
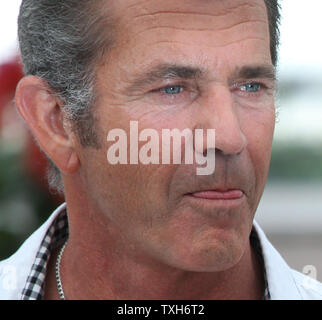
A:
[281,282]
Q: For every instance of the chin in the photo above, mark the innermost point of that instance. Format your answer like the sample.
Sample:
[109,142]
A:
[218,258]
[212,253]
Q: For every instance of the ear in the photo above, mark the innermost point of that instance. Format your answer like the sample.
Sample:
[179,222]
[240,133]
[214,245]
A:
[42,111]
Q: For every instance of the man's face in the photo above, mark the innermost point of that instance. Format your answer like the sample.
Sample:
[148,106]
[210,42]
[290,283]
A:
[187,64]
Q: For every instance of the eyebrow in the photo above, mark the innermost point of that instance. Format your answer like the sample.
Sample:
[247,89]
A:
[164,72]
[255,72]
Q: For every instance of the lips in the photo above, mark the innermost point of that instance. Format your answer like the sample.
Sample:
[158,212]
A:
[218,194]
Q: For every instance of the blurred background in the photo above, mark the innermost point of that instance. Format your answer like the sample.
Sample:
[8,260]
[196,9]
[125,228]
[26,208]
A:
[291,208]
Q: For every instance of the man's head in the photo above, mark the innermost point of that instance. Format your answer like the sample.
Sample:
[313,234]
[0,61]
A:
[189,64]
[62,42]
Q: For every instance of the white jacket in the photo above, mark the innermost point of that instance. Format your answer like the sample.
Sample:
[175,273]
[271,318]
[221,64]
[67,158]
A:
[283,282]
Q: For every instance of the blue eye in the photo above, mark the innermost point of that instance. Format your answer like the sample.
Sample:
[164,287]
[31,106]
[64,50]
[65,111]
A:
[251,87]
[172,89]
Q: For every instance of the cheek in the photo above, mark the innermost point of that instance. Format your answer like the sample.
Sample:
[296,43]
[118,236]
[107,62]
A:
[130,188]
[126,194]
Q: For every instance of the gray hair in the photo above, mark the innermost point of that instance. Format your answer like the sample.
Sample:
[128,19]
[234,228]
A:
[61,42]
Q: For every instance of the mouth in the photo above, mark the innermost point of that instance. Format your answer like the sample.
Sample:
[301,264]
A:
[214,201]
[217,194]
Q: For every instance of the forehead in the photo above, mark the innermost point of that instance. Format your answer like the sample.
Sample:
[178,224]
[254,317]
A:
[151,30]
[199,14]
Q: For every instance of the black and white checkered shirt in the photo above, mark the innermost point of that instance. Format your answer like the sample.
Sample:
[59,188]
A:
[56,236]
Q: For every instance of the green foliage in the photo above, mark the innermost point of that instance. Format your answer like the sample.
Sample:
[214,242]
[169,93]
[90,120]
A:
[17,187]
[296,162]
[9,242]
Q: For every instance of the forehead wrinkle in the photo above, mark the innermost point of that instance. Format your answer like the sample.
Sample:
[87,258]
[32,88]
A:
[221,12]
[192,29]
[210,46]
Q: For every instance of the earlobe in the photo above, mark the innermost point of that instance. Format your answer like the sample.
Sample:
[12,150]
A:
[43,113]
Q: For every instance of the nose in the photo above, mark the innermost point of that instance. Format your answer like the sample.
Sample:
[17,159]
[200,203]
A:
[219,111]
